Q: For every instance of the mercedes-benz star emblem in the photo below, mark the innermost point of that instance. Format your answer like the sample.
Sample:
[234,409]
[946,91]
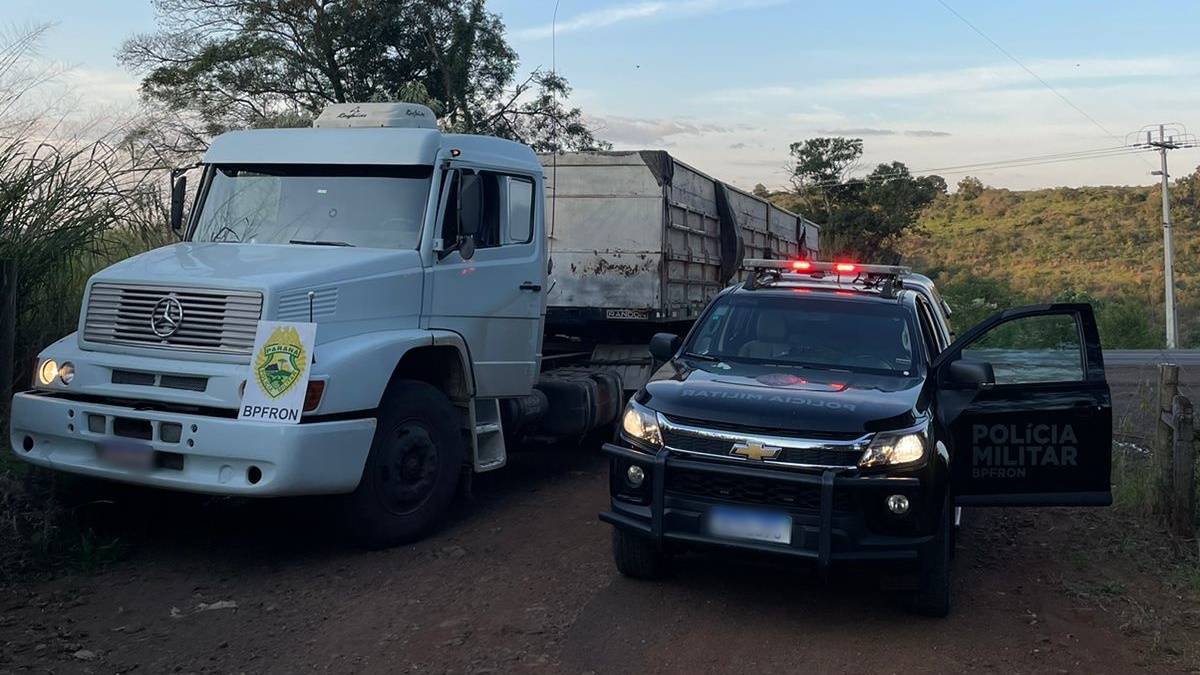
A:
[166,317]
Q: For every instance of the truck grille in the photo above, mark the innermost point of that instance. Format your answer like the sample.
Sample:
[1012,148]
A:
[213,320]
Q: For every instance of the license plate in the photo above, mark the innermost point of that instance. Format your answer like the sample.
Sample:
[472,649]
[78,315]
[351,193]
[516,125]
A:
[735,523]
[127,455]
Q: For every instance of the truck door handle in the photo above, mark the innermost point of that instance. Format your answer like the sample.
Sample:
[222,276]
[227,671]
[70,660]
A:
[530,286]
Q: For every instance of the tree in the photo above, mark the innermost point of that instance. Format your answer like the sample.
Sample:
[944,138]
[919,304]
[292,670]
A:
[214,65]
[970,188]
[863,217]
[761,191]
[820,166]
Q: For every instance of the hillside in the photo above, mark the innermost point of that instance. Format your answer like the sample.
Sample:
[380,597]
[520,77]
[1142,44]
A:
[991,248]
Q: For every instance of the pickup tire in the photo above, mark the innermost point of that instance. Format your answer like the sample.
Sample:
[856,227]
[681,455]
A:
[412,470]
[932,597]
[637,557]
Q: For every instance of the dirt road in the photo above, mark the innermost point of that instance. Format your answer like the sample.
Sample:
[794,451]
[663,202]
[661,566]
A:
[521,581]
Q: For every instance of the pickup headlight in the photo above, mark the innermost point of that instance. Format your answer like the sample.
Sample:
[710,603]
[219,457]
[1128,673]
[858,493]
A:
[895,448]
[639,425]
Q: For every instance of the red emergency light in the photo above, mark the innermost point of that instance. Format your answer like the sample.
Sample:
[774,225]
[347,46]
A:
[845,267]
[801,265]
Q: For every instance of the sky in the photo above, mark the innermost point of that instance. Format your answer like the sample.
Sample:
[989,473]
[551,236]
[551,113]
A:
[728,85]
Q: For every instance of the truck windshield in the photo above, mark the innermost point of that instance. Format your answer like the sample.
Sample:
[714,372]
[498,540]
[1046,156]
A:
[823,334]
[373,206]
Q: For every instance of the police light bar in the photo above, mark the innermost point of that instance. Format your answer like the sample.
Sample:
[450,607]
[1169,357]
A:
[814,267]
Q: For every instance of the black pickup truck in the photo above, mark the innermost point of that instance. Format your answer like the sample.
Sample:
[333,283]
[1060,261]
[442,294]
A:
[822,411]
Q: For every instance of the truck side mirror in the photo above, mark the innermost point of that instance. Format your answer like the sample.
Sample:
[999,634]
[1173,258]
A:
[663,346]
[965,373]
[470,211]
[178,194]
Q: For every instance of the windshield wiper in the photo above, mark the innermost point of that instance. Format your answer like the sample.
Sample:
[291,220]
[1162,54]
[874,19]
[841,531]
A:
[319,243]
[702,357]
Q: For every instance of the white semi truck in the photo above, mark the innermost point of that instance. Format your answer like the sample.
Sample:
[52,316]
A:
[458,304]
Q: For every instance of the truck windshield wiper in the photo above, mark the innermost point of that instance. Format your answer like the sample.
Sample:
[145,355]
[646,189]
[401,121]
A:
[315,242]
[702,357]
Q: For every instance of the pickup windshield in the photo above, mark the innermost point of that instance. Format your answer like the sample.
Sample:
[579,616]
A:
[793,332]
[372,206]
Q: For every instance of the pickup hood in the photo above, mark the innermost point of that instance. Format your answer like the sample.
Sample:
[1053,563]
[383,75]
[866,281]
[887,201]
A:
[266,267]
[786,399]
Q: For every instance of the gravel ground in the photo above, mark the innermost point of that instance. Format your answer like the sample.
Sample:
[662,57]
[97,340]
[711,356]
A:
[521,581]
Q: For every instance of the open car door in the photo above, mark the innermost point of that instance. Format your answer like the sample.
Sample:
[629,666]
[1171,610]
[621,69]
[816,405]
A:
[1023,401]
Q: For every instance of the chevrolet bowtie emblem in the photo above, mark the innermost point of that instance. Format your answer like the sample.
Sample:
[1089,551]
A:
[755,451]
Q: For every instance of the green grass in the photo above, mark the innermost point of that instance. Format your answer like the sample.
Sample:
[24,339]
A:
[992,248]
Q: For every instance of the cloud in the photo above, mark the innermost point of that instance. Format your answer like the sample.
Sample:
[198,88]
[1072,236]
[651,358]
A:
[858,132]
[738,146]
[868,131]
[96,86]
[642,131]
[962,80]
[602,18]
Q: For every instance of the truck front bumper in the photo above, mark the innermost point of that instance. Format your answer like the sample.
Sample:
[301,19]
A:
[210,454]
[833,527]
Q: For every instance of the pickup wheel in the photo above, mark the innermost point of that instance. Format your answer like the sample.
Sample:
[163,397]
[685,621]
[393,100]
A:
[932,597]
[412,470]
[637,557]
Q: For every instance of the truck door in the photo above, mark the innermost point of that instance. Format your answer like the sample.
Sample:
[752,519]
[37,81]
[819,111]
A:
[493,299]
[1023,401]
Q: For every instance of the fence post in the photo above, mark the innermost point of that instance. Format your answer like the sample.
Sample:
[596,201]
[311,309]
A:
[1183,489]
[1168,389]
[8,331]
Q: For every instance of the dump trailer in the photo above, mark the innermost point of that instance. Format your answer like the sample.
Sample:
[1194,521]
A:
[640,242]
[641,236]
[377,310]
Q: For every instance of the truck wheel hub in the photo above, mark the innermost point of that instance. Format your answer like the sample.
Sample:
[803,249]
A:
[409,473]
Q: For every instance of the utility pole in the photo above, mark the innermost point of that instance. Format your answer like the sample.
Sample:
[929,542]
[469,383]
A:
[1169,137]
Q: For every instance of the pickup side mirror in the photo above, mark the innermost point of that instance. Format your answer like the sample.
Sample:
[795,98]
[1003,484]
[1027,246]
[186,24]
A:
[178,195]
[663,346]
[968,374]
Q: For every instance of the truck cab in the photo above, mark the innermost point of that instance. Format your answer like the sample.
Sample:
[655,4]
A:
[823,412]
[419,255]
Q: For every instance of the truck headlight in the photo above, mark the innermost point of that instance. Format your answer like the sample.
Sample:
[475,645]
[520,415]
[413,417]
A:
[894,449]
[639,424]
[66,372]
[47,371]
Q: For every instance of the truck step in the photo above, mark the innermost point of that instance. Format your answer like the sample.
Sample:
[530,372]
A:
[487,437]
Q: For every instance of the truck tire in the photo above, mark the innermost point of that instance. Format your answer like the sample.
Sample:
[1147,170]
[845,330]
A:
[637,557]
[412,470]
[932,597]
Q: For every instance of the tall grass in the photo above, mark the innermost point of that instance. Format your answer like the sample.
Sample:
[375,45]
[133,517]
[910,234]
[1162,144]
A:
[60,212]
[67,209]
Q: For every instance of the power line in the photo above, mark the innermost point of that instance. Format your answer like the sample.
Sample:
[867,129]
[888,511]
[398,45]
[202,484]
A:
[1032,74]
[1015,162]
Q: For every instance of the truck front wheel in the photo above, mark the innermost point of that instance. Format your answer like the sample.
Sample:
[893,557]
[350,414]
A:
[412,470]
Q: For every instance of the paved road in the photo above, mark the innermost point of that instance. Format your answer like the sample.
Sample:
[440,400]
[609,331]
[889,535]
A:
[1141,357]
